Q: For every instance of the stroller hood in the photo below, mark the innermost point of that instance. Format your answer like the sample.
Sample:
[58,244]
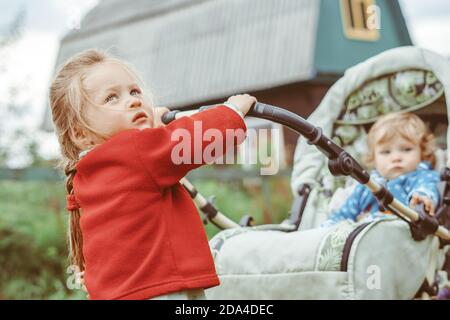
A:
[308,160]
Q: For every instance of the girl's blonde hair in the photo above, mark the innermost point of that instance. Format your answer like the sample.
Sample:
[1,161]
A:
[410,127]
[67,100]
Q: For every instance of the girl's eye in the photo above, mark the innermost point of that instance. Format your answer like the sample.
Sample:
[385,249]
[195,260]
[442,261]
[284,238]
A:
[111,97]
[407,149]
[385,152]
[135,91]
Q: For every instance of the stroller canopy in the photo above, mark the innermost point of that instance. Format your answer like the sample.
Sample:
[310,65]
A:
[421,69]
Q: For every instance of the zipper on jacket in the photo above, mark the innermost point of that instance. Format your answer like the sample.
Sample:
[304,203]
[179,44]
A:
[348,245]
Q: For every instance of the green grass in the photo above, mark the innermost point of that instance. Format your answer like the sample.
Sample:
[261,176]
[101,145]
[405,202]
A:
[236,200]
[33,254]
[33,221]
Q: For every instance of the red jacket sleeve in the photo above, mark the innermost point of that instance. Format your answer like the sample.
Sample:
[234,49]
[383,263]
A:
[168,153]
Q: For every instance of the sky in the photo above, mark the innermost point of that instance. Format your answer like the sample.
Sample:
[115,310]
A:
[31,60]
[429,23]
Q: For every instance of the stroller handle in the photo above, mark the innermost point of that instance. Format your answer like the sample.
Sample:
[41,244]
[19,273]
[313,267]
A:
[340,162]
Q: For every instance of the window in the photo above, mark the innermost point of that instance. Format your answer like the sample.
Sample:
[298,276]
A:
[361,19]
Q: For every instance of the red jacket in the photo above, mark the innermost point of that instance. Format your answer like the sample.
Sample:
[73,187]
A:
[142,234]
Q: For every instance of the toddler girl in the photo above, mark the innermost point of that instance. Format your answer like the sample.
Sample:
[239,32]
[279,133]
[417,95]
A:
[134,230]
[401,148]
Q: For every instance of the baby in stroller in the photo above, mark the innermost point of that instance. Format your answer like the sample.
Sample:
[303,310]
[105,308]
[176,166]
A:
[401,148]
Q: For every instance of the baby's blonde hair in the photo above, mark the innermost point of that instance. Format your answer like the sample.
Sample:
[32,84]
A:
[408,126]
[68,99]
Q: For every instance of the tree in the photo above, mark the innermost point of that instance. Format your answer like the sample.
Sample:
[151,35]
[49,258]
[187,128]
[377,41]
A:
[15,141]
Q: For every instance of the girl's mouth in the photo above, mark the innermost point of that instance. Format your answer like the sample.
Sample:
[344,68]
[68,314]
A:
[139,116]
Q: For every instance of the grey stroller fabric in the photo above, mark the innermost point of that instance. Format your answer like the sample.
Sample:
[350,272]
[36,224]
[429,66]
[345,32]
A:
[377,260]
[384,263]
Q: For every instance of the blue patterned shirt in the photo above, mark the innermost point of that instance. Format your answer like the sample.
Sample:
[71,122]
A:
[423,181]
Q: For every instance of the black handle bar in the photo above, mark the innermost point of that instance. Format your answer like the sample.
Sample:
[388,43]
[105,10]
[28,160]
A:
[340,162]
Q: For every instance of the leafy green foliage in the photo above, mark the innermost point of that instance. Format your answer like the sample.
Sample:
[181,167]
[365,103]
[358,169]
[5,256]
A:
[33,254]
[267,199]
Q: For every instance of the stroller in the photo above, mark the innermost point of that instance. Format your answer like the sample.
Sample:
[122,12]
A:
[397,257]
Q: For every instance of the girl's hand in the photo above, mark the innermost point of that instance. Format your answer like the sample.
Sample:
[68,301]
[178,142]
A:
[243,101]
[158,113]
[417,198]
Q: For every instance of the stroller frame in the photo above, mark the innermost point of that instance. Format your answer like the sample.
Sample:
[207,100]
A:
[340,163]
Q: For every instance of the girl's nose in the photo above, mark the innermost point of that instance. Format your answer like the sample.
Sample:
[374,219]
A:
[134,103]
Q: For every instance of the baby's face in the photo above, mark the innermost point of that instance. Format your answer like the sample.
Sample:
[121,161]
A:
[119,103]
[396,157]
